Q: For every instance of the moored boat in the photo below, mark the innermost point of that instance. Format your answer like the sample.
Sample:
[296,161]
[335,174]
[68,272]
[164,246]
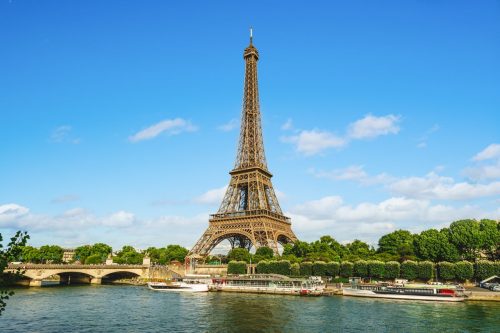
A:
[188,284]
[422,292]
[269,284]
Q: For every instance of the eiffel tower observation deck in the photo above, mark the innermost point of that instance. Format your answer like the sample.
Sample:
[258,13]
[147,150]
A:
[249,214]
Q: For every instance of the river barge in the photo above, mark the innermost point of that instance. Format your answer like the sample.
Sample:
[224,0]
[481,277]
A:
[421,292]
[190,283]
[269,284]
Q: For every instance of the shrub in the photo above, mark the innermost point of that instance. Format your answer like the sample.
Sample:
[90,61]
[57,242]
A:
[425,270]
[93,260]
[332,269]
[306,269]
[237,267]
[263,267]
[409,270]
[346,269]
[391,270]
[282,267]
[361,268]
[295,269]
[464,270]
[485,269]
[376,269]
[319,268]
[446,271]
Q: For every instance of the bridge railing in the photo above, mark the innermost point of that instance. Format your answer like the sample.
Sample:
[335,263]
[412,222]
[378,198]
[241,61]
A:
[72,266]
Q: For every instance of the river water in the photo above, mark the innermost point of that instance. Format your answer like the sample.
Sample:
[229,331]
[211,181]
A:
[109,308]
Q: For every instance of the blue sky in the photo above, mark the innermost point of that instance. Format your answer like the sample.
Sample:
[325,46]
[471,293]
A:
[119,119]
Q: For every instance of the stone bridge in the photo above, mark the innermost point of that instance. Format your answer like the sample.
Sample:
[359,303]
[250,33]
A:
[34,274]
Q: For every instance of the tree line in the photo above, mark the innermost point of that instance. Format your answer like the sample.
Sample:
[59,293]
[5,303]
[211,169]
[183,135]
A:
[99,252]
[376,269]
[468,240]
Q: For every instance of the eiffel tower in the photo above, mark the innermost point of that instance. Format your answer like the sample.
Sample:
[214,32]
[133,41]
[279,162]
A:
[250,214]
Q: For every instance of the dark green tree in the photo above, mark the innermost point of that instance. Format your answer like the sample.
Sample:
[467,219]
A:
[10,253]
[237,267]
[51,254]
[30,254]
[239,254]
[467,237]
[361,268]
[376,269]
[306,268]
[82,252]
[346,269]
[399,242]
[409,270]
[435,246]
[391,270]
[446,271]
[464,270]
[425,270]
[94,259]
[490,232]
[263,253]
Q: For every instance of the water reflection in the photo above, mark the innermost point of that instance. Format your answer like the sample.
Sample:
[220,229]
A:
[137,309]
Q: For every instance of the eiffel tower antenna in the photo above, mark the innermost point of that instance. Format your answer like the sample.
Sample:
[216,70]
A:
[249,215]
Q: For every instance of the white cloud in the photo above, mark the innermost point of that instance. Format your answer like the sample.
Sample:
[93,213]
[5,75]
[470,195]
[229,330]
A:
[483,172]
[288,125]
[169,126]
[11,212]
[490,152]
[212,197]
[62,134]
[119,219]
[332,216]
[315,141]
[434,186]
[424,138]
[229,126]
[354,173]
[312,142]
[372,126]
[66,198]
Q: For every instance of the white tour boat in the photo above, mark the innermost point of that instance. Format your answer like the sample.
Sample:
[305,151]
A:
[188,284]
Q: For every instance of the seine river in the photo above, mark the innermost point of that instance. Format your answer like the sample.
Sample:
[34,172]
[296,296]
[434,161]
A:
[137,309]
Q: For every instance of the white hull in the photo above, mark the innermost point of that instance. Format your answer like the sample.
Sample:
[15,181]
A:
[181,287]
[270,290]
[369,293]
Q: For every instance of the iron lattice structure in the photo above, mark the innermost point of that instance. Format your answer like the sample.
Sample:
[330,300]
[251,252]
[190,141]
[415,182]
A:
[250,214]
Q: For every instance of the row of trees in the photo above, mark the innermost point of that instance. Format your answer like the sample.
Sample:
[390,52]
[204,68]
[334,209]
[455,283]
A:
[469,240]
[410,270]
[99,252]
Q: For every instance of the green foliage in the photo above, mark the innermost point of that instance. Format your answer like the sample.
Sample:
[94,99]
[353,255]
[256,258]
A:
[435,246]
[359,249]
[30,254]
[94,259]
[236,267]
[409,270]
[282,267]
[265,252]
[10,253]
[332,269]
[82,252]
[306,269]
[361,268]
[446,271]
[346,269]
[376,269]
[239,254]
[164,255]
[100,250]
[299,249]
[425,270]
[128,255]
[399,242]
[319,268]
[490,231]
[295,269]
[467,237]
[464,270]
[263,267]
[51,254]
[392,269]
[485,269]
